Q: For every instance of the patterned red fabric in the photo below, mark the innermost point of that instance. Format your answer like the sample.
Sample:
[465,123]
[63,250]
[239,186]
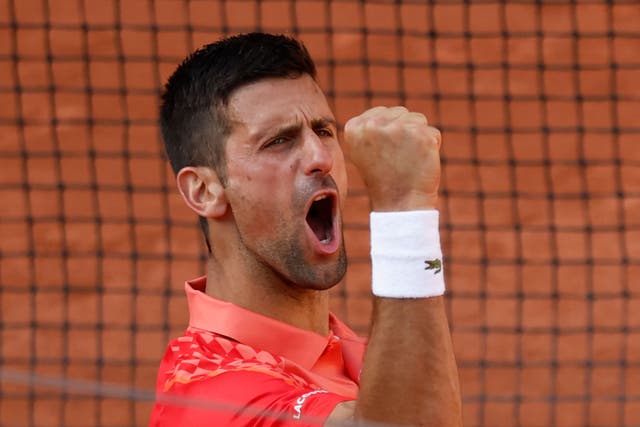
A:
[234,367]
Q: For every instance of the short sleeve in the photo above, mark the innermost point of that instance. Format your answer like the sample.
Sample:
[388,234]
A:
[243,398]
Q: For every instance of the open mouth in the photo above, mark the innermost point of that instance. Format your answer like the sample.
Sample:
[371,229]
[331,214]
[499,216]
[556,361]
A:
[320,217]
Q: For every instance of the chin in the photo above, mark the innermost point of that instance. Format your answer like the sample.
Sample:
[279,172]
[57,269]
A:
[318,277]
[321,280]
[320,286]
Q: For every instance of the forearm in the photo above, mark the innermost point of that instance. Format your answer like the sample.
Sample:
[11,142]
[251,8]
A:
[409,374]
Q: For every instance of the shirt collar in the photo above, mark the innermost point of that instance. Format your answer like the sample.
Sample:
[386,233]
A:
[260,332]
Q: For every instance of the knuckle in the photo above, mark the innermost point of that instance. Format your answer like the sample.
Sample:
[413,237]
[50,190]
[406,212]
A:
[348,126]
[421,118]
[353,125]
[436,135]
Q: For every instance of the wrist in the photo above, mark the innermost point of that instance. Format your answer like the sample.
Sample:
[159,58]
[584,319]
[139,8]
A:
[412,202]
[406,258]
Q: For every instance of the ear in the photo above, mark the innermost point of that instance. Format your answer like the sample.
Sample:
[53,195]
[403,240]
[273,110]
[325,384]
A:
[202,191]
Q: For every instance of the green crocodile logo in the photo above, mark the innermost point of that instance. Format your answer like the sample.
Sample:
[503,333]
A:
[434,264]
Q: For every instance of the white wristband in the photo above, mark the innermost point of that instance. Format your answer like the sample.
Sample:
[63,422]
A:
[406,259]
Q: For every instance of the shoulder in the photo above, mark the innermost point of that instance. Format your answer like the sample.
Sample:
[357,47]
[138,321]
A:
[200,355]
[207,380]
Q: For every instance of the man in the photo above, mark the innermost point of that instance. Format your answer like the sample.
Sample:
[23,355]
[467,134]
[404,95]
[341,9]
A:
[254,145]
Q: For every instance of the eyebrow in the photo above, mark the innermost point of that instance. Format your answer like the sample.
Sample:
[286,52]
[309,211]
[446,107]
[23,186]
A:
[295,127]
[323,122]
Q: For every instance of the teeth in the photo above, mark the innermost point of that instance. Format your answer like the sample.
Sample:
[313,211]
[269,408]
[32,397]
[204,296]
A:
[323,196]
[326,241]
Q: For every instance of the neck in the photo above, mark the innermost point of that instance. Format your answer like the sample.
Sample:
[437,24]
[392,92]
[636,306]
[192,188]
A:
[267,294]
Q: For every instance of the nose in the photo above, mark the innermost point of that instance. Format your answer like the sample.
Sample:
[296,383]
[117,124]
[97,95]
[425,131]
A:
[318,158]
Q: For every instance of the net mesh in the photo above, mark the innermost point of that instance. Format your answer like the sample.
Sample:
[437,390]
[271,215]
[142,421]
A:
[538,104]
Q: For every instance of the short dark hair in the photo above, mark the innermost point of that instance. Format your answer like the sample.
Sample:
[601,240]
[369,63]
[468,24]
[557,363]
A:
[193,116]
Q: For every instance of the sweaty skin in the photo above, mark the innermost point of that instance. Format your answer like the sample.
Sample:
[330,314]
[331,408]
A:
[282,154]
[409,375]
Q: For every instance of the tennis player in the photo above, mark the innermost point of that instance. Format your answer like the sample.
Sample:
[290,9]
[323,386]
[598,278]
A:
[255,149]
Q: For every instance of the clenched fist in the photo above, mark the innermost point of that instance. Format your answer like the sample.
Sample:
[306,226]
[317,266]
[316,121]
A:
[397,154]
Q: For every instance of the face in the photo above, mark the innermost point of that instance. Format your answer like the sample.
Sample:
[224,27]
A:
[285,181]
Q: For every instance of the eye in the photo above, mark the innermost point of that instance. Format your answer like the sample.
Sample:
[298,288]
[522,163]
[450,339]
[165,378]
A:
[279,140]
[324,132]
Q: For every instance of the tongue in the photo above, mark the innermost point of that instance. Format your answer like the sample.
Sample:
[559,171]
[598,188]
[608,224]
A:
[319,227]
[319,220]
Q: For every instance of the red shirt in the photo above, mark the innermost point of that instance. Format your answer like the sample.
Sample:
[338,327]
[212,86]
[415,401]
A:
[236,367]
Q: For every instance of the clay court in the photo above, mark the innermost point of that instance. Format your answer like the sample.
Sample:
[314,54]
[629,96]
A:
[538,103]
